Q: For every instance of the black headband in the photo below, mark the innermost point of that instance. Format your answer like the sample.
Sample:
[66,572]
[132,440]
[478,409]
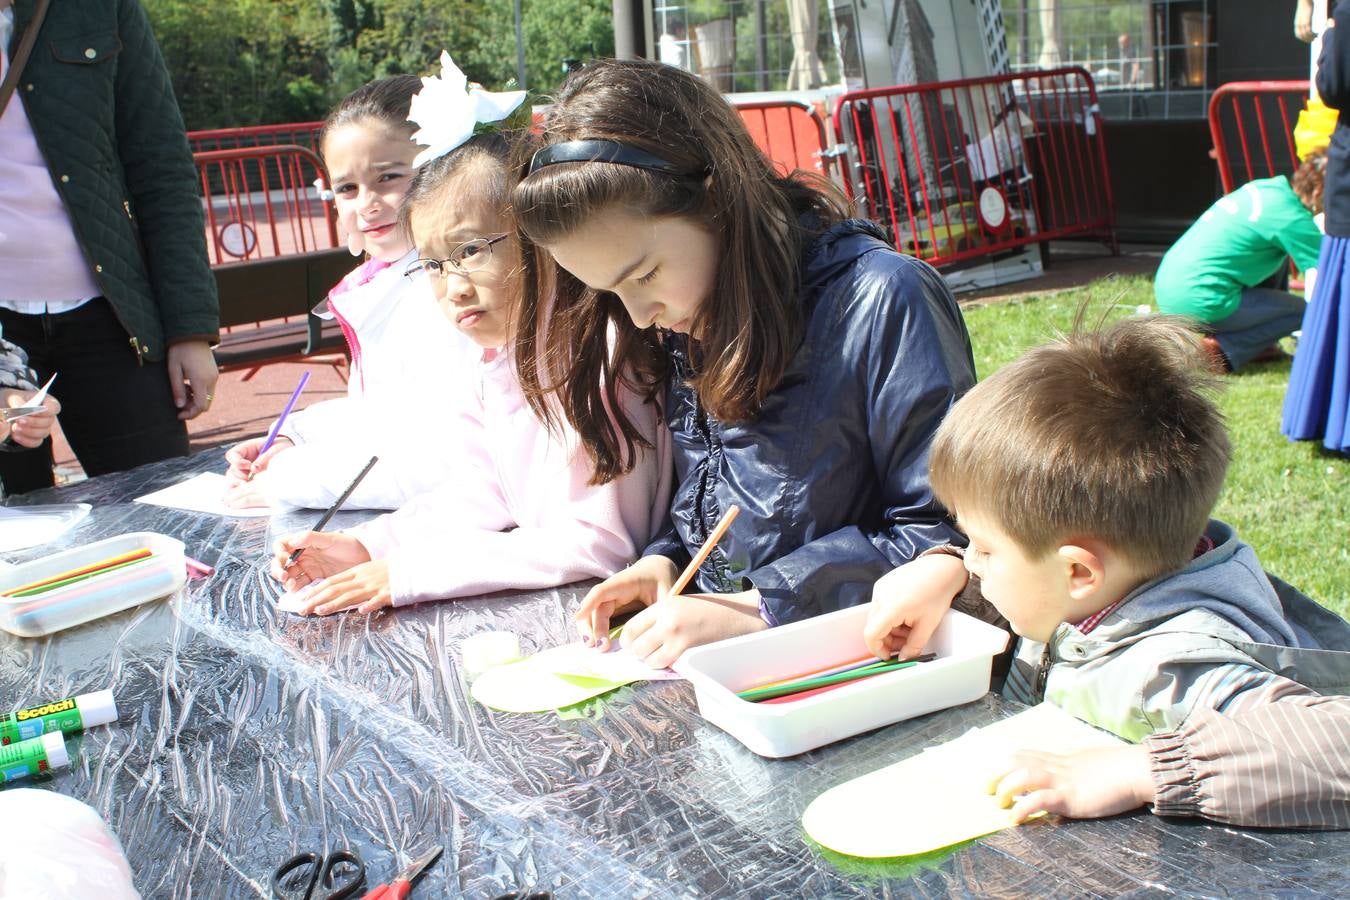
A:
[603,151]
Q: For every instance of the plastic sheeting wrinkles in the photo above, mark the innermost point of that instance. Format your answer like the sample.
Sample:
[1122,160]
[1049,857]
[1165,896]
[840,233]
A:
[248,734]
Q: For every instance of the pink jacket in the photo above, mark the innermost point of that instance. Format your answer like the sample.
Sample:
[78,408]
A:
[519,514]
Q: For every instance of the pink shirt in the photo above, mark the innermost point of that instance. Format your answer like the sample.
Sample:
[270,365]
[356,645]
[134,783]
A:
[41,264]
[520,513]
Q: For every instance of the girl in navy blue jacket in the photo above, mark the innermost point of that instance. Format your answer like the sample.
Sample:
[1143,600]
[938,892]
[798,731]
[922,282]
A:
[801,363]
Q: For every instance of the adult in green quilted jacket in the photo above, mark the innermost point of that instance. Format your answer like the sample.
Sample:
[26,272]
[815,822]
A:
[103,271]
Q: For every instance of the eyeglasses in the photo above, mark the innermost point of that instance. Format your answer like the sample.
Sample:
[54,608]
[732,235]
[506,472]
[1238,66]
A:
[467,257]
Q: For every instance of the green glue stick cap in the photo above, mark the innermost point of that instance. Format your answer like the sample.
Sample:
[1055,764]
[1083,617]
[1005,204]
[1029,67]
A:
[97,708]
[54,745]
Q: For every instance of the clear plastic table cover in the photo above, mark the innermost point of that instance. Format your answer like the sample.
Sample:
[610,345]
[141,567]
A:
[247,734]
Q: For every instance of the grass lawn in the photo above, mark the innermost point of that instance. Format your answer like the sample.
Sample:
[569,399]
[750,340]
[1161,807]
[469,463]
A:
[1288,500]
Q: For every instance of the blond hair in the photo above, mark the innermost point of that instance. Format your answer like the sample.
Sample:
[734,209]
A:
[1110,434]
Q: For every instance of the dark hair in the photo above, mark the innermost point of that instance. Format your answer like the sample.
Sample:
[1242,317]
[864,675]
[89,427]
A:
[385,100]
[489,156]
[1110,434]
[572,340]
[1308,178]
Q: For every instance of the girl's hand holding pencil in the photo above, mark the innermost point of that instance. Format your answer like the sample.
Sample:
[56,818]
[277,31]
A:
[640,585]
[671,622]
[246,458]
[350,577]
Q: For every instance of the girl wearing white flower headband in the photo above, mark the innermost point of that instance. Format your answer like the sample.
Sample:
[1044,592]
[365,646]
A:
[524,511]
[401,348]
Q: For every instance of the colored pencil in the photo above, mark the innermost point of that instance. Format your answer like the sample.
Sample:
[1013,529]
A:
[332,510]
[713,537]
[858,663]
[83,576]
[196,567]
[111,561]
[757,694]
[286,411]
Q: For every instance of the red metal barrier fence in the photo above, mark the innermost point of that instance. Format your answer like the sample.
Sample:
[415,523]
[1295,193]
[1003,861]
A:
[303,133]
[1252,126]
[260,203]
[791,132]
[956,170]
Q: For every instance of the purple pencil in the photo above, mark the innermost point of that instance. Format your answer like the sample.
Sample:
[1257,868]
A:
[276,427]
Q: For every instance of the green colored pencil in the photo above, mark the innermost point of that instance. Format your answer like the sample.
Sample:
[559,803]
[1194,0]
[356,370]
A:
[756,694]
[84,576]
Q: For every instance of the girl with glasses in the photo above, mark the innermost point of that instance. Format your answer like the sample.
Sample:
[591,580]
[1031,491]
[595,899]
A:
[525,509]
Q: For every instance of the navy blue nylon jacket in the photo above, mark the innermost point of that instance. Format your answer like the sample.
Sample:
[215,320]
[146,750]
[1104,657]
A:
[832,477]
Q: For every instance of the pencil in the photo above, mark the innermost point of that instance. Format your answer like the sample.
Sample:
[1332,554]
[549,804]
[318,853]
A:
[82,570]
[831,669]
[332,510]
[713,537]
[806,684]
[286,411]
[83,576]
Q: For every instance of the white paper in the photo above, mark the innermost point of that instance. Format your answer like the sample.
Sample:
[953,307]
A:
[27,526]
[618,664]
[294,601]
[203,493]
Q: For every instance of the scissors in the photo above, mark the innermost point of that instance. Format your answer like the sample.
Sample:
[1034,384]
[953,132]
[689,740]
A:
[306,876]
[402,883]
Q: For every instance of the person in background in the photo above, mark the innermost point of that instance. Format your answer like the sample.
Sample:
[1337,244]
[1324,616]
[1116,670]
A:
[1317,402]
[1219,272]
[103,270]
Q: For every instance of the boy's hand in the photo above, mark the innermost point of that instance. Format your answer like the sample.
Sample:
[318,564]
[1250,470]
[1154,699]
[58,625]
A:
[667,628]
[908,605]
[31,430]
[1089,784]
[325,556]
[364,586]
[641,584]
[244,459]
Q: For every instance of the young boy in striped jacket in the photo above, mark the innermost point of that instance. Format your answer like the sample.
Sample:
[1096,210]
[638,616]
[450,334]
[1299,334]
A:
[1084,474]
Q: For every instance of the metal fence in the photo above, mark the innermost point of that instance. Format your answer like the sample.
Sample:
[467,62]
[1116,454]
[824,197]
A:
[957,170]
[1252,126]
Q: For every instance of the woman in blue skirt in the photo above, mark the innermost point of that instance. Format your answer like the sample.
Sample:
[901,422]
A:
[1318,400]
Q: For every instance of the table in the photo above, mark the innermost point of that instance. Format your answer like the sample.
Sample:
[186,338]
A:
[246,734]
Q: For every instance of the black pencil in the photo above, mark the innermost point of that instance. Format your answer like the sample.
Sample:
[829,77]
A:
[332,510]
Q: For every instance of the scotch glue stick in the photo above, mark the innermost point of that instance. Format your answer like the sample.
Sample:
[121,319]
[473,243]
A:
[69,716]
[34,756]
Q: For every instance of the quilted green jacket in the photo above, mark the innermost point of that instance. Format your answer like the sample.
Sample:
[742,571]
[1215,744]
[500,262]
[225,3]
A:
[101,105]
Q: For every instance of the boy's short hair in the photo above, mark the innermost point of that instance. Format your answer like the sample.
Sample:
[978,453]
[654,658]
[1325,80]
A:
[1109,434]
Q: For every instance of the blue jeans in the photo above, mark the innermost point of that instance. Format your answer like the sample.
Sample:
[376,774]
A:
[1262,318]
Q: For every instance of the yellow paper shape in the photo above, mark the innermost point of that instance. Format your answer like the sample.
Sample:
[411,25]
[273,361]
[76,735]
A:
[941,796]
[534,684]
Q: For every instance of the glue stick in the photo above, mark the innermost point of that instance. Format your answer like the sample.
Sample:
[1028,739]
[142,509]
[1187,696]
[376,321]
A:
[69,716]
[34,756]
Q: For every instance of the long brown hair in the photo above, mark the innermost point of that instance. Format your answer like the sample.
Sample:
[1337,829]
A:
[574,341]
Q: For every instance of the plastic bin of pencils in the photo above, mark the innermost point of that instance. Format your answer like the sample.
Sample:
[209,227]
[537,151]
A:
[85,583]
[965,649]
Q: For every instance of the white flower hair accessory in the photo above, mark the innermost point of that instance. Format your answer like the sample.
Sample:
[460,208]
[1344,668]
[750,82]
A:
[448,109]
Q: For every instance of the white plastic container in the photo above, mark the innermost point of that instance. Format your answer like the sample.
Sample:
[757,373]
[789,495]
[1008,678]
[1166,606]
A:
[82,601]
[965,647]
